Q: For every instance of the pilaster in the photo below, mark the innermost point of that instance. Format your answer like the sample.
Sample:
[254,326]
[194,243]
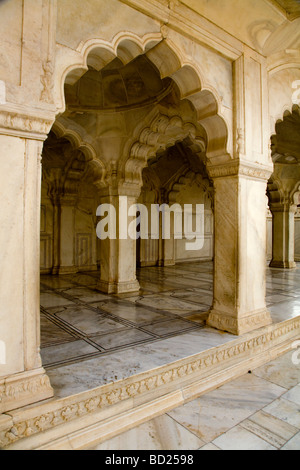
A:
[22,379]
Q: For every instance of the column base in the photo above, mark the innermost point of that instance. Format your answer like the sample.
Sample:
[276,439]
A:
[61,270]
[166,262]
[238,325]
[24,389]
[118,287]
[147,264]
[283,264]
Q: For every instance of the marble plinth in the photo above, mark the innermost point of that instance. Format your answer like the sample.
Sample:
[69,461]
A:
[239,324]
[23,389]
[118,287]
[118,361]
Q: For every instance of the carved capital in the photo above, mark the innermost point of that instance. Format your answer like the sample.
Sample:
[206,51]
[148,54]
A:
[239,168]
[286,205]
[21,124]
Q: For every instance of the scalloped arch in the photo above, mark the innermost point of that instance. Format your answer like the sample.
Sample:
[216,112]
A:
[71,65]
[95,166]
[170,62]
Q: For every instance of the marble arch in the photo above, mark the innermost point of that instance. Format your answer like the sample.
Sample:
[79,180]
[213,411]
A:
[194,117]
[225,79]
[62,128]
[283,186]
[97,53]
[169,61]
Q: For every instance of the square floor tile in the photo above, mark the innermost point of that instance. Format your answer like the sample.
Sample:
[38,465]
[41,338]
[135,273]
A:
[235,402]
[67,351]
[89,322]
[121,338]
[281,371]
[168,327]
[285,410]
[293,444]
[161,433]
[85,295]
[168,304]
[239,438]
[130,311]
[293,395]
[53,300]
[52,333]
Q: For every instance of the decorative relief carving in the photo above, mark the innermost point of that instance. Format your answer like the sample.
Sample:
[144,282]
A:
[114,393]
[47,82]
[163,132]
[24,123]
[220,321]
[240,142]
[20,389]
[238,168]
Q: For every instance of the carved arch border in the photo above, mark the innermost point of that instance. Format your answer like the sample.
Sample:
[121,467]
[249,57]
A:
[170,62]
[72,64]
[95,168]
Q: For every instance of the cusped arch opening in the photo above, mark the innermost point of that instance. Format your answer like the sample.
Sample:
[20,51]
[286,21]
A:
[132,73]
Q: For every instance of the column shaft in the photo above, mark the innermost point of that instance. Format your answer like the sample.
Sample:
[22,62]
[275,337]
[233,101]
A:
[239,263]
[22,379]
[118,253]
[283,236]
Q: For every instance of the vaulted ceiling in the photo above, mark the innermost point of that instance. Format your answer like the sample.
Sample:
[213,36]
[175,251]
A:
[292,7]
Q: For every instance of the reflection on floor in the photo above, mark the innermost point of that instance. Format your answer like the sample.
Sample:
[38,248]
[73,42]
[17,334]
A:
[89,339]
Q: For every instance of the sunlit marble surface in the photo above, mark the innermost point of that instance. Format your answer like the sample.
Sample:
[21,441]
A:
[258,411]
[84,333]
[77,377]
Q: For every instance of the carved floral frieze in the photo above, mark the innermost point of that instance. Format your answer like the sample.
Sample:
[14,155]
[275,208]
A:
[21,123]
[198,366]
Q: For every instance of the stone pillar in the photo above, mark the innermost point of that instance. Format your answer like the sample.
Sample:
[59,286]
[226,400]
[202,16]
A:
[22,379]
[63,235]
[118,251]
[27,114]
[283,235]
[56,234]
[239,302]
[149,248]
[167,253]
[167,245]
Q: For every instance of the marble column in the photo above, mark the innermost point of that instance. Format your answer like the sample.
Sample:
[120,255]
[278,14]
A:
[283,235]
[167,247]
[149,248]
[22,378]
[118,249]
[239,303]
[64,235]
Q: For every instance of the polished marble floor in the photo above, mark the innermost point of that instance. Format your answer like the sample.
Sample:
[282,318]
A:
[258,411]
[84,333]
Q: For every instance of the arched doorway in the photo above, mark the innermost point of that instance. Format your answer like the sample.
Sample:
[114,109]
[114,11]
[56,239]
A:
[283,188]
[120,118]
